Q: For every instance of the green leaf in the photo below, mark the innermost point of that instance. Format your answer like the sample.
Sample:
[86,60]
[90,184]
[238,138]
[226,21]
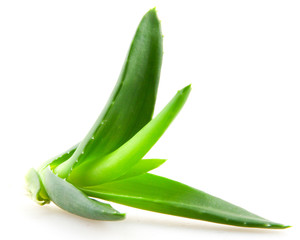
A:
[54,162]
[159,194]
[117,163]
[108,162]
[143,166]
[35,187]
[131,104]
[69,198]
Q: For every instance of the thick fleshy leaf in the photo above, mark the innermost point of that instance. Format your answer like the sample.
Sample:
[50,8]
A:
[131,104]
[117,163]
[159,194]
[69,198]
[54,162]
[143,166]
[35,187]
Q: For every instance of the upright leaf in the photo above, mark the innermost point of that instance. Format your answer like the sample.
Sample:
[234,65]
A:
[131,104]
[117,163]
[159,194]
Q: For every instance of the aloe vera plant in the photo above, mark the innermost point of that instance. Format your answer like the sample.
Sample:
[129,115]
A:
[108,163]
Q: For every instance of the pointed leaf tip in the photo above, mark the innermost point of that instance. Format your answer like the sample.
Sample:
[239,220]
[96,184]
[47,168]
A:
[151,16]
[186,89]
[117,163]
[152,12]
[131,104]
[158,194]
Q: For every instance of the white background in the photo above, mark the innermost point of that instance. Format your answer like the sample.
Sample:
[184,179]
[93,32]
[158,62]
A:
[237,137]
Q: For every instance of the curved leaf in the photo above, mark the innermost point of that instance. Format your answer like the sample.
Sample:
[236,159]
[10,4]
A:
[159,194]
[143,166]
[54,162]
[117,163]
[35,187]
[69,198]
[131,104]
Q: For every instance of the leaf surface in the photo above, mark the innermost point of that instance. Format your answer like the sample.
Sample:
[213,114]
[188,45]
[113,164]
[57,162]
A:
[159,194]
[143,166]
[131,104]
[35,187]
[54,162]
[117,163]
[69,198]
